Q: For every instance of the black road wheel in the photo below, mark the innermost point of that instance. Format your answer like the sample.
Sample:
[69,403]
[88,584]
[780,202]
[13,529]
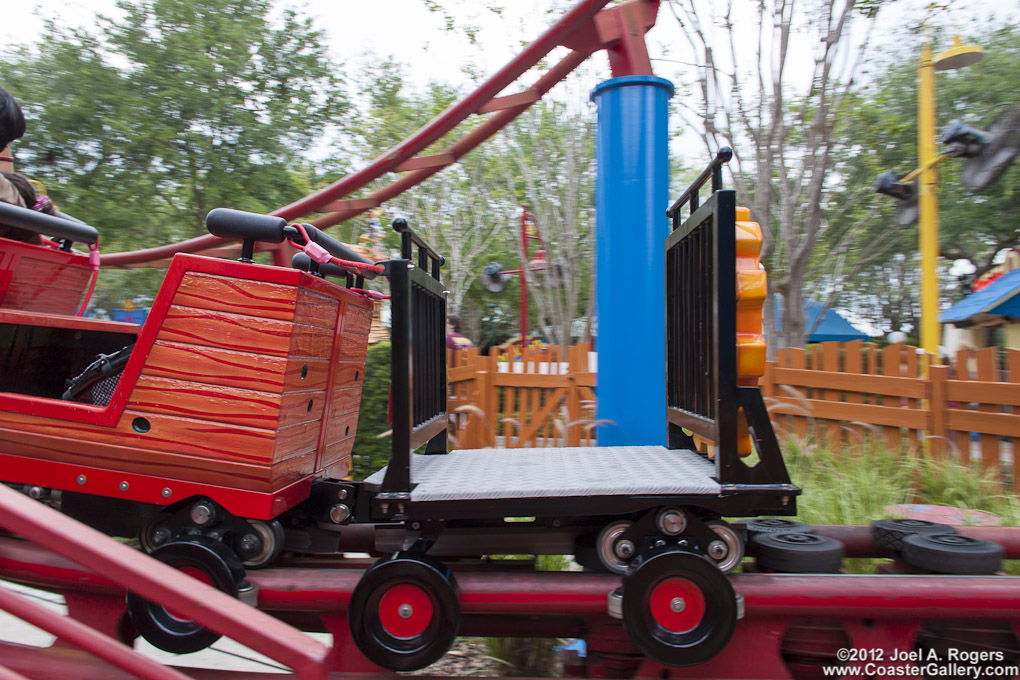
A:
[204,558]
[889,533]
[678,608]
[775,525]
[262,545]
[795,553]
[404,613]
[952,554]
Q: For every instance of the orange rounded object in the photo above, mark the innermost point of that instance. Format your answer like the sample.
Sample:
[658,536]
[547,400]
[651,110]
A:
[752,286]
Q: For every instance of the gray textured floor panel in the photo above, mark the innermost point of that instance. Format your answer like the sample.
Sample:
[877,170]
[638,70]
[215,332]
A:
[553,472]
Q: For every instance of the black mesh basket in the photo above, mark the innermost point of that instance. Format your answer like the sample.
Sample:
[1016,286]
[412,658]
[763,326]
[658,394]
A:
[96,384]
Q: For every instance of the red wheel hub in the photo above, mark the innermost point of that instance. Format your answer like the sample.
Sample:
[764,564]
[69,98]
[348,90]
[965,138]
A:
[677,604]
[405,610]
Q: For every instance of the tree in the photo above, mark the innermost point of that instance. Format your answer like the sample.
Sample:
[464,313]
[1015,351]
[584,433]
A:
[470,212]
[553,165]
[972,227]
[462,211]
[179,107]
[785,134]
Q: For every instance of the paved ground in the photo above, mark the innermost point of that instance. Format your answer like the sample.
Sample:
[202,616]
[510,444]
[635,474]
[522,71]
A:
[225,654]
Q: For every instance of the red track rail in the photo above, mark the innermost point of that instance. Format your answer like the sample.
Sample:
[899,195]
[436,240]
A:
[585,29]
[793,623]
[130,569]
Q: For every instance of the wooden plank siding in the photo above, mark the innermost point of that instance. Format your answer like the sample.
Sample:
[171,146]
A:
[41,279]
[247,383]
[537,397]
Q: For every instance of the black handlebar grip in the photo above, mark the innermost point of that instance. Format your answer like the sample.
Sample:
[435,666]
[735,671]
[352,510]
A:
[302,262]
[47,225]
[237,224]
[337,249]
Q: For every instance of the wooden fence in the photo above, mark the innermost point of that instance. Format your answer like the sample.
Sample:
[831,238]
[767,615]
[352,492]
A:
[538,397]
[838,395]
[842,395]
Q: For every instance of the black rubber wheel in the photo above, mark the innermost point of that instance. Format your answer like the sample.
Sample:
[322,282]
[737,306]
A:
[678,608]
[796,553]
[952,554]
[889,533]
[207,560]
[775,525]
[404,613]
[269,539]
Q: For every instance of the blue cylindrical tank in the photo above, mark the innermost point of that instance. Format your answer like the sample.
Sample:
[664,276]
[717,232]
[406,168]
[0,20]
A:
[631,197]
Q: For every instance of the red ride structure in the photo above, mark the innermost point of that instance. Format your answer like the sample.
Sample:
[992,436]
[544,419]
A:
[219,435]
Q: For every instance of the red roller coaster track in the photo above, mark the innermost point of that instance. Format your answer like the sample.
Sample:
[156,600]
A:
[584,30]
[795,624]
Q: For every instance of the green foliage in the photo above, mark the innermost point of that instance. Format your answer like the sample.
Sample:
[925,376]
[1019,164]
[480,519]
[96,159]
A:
[524,657]
[144,125]
[370,452]
[529,657]
[856,488]
[882,130]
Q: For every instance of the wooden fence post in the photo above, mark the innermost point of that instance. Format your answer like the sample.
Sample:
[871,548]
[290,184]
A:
[797,358]
[574,367]
[1013,368]
[962,438]
[830,363]
[937,376]
[891,360]
[987,371]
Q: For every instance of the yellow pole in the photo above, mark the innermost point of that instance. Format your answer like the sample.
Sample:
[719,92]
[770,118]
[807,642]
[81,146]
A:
[928,206]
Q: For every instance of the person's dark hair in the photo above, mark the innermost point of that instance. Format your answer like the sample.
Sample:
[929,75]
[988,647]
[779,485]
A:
[12,120]
[32,200]
[29,195]
[454,322]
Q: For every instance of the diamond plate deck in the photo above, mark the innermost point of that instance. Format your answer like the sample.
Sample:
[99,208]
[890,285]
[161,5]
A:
[559,472]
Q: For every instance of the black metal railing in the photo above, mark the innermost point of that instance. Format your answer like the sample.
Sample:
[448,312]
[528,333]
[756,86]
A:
[418,358]
[702,393]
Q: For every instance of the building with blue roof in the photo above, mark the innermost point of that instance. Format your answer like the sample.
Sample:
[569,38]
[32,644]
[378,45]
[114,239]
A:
[997,305]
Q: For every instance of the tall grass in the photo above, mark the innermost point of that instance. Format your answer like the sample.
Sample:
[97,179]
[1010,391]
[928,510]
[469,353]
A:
[857,487]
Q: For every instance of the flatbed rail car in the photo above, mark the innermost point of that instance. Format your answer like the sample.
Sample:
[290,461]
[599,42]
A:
[651,513]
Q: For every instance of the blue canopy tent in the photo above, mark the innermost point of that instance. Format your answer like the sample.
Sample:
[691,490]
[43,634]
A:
[832,327]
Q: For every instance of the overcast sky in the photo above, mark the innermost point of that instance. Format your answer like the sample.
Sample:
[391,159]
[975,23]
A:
[406,30]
